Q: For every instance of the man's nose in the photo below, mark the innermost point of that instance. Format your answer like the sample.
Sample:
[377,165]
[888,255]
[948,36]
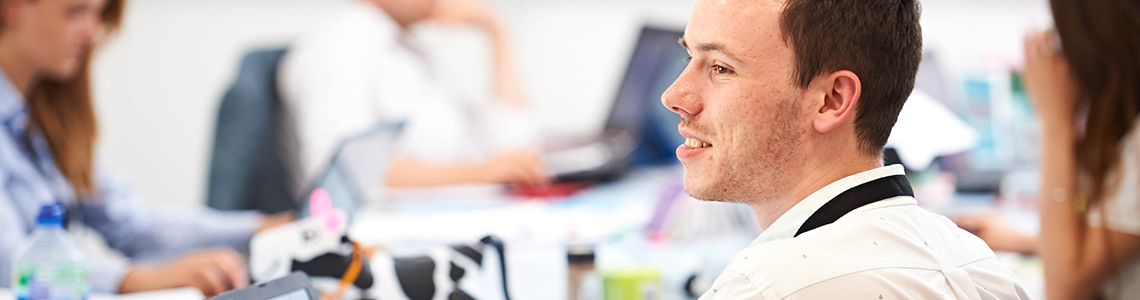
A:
[681,97]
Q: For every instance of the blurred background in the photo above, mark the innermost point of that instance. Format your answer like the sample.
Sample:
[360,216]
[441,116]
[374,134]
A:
[158,84]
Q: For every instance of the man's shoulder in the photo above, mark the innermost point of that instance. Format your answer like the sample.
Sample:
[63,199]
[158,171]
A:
[894,237]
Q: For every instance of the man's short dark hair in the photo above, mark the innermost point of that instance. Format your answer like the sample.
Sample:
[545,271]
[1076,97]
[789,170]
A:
[879,40]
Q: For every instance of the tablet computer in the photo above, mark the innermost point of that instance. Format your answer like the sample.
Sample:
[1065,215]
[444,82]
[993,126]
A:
[296,286]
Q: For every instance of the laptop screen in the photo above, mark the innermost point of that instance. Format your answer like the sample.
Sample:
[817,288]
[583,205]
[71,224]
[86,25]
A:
[357,168]
[637,112]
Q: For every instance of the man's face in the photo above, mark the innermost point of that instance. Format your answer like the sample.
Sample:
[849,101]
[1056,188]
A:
[740,110]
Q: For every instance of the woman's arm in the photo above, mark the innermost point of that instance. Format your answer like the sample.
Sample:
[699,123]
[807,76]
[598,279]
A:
[199,249]
[507,84]
[145,233]
[523,168]
[998,234]
[1075,257]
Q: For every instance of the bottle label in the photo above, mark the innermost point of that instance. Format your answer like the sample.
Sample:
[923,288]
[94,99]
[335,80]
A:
[67,281]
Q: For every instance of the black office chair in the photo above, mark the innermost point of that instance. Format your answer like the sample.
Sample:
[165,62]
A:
[254,157]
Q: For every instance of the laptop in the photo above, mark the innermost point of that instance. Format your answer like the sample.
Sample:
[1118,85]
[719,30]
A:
[360,162]
[296,286]
[626,140]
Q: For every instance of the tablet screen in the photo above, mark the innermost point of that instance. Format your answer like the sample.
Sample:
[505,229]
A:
[298,294]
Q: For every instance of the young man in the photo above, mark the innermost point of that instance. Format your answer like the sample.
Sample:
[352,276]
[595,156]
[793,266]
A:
[786,106]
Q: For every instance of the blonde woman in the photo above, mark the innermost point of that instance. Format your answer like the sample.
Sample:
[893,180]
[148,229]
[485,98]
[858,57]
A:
[47,140]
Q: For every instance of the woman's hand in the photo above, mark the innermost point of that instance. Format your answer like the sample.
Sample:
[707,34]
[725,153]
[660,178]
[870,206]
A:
[1049,81]
[997,233]
[211,271]
[519,167]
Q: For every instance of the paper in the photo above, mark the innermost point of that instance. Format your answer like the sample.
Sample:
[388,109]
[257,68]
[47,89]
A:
[926,129]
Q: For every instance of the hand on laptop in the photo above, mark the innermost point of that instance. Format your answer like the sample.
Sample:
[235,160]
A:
[211,271]
[519,167]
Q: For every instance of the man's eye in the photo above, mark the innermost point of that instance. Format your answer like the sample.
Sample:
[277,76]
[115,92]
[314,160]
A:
[721,70]
[688,59]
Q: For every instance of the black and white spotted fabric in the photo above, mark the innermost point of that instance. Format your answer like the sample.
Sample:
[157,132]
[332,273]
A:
[475,271]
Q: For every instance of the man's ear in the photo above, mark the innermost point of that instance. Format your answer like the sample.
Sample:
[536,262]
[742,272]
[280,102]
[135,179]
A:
[841,91]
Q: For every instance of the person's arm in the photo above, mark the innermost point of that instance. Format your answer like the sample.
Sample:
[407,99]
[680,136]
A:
[211,271]
[997,234]
[523,168]
[507,84]
[145,234]
[1077,259]
[508,87]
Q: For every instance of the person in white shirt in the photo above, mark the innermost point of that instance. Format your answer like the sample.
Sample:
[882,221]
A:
[786,106]
[1084,80]
[360,70]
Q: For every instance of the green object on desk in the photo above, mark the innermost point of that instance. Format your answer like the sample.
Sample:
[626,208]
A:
[632,284]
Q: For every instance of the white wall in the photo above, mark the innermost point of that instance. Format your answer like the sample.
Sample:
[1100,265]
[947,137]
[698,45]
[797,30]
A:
[158,83]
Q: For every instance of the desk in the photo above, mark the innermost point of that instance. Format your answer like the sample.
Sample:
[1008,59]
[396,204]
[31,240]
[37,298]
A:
[612,217]
[171,294]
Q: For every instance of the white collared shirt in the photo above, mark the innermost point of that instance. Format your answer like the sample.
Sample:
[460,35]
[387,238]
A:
[361,69]
[890,249]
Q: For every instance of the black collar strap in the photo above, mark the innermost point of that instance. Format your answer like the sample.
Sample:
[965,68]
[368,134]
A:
[863,194]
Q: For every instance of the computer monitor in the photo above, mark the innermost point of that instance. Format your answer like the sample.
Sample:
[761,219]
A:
[637,112]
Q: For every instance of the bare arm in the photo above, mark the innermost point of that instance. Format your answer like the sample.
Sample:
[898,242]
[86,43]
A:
[1078,259]
[507,85]
[410,173]
[522,168]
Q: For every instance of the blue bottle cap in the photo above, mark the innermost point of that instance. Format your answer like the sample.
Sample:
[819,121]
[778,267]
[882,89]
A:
[51,215]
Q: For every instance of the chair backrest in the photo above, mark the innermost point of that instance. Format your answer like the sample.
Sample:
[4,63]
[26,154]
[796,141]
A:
[254,157]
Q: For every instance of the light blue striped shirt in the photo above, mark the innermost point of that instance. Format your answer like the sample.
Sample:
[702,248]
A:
[29,179]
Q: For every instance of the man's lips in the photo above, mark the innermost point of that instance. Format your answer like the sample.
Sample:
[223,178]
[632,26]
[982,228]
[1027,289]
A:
[692,140]
[695,143]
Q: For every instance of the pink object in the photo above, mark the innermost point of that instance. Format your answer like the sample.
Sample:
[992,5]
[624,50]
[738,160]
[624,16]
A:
[320,206]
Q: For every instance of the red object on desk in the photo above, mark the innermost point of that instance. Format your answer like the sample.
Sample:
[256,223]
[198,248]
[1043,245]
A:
[550,191]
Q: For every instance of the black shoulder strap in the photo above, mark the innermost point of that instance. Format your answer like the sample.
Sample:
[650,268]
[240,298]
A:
[863,194]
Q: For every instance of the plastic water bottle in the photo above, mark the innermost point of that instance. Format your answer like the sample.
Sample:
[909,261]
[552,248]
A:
[48,265]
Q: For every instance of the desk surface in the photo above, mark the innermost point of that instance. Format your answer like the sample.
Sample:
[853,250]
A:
[597,213]
[612,217]
[537,231]
[171,294]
